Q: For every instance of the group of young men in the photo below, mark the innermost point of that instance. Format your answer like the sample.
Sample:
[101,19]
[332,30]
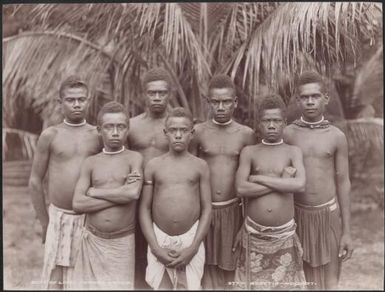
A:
[156,202]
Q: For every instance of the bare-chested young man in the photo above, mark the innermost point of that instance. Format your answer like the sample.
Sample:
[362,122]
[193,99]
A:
[146,136]
[107,191]
[175,210]
[60,151]
[219,142]
[326,163]
[268,174]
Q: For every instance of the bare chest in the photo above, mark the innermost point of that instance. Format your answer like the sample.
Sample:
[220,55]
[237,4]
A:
[316,144]
[146,136]
[270,163]
[212,144]
[67,146]
[109,172]
[177,175]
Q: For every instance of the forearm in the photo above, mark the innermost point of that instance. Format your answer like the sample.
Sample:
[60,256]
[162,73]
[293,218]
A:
[343,195]
[148,229]
[119,195]
[252,190]
[38,201]
[86,204]
[284,185]
[203,226]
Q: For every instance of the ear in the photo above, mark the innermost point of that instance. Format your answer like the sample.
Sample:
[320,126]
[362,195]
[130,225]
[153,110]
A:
[192,131]
[99,129]
[164,131]
[235,101]
[59,100]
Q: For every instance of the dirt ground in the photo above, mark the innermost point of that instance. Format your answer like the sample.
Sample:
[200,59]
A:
[23,250]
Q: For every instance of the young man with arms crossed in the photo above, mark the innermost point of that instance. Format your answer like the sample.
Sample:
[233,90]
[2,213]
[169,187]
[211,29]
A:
[175,210]
[268,174]
[60,151]
[107,191]
[219,142]
[325,153]
[146,136]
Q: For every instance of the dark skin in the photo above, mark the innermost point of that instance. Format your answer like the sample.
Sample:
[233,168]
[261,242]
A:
[326,163]
[60,151]
[110,184]
[174,184]
[220,145]
[260,176]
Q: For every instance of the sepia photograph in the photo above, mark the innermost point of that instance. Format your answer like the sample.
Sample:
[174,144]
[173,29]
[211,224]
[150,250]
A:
[193,146]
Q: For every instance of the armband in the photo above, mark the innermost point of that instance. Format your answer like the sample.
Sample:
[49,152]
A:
[148,183]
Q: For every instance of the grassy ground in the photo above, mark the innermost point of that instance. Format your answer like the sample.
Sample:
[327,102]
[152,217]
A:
[23,251]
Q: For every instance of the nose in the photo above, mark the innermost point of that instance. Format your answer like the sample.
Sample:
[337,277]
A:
[157,96]
[76,103]
[271,126]
[220,106]
[178,134]
[115,132]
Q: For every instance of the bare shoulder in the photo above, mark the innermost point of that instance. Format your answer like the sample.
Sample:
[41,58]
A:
[248,150]
[155,162]
[199,163]
[133,156]
[295,150]
[289,129]
[137,119]
[91,128]
[338,134]
[47,136]
[200,127]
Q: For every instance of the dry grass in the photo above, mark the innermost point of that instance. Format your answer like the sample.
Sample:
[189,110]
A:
[23,251]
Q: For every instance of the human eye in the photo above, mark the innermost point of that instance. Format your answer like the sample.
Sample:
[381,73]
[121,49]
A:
[82,99]
[122,127]
[69,99]
[163,93]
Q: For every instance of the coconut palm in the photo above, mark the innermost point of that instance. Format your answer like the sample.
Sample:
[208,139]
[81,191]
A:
[111,45]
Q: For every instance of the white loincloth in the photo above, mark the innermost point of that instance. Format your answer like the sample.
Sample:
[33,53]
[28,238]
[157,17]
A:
[194,270]
[61,243]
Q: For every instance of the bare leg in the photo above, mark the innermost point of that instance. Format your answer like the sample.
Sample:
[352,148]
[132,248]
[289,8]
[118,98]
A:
[332,270]
[56,279]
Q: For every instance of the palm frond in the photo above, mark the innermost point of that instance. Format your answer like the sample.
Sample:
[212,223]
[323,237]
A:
[36,63]
[369,81]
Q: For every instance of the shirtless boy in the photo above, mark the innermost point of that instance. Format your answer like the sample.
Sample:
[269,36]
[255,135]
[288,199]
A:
[219,142]
[107,190]
[146,136]
[325,154]
[268,174]
[175,210]
[60,151]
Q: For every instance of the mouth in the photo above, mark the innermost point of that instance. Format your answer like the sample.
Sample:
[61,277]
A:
[310,111]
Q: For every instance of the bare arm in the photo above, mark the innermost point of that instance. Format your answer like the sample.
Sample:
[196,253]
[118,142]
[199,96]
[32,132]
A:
[127,192]
[82,203]
[286,184]
[184,256]
[145,216]
[343,195]
[39,169]
[244,187]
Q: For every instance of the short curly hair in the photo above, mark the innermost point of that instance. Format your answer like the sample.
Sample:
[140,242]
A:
[112,107]
[156,74]
[179,112]
[221,81]
[310,77]
[272,101]
[72,81]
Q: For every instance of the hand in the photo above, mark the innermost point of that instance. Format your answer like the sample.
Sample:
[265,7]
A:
[162,254]
[133,177]
[183,257]
[346,247]
[289,172]
[91,192]
[237,240]
[43,233]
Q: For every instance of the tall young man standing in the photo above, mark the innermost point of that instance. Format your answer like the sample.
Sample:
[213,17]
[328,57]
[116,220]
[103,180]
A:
[219,142]
[327,192]
[60,151]
[146,136]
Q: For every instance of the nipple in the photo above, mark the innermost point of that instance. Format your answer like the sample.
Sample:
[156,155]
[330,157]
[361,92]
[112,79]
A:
[269,210]
[218,192]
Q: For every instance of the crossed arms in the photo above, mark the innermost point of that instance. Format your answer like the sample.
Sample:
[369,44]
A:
[89,199]
[292,179]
